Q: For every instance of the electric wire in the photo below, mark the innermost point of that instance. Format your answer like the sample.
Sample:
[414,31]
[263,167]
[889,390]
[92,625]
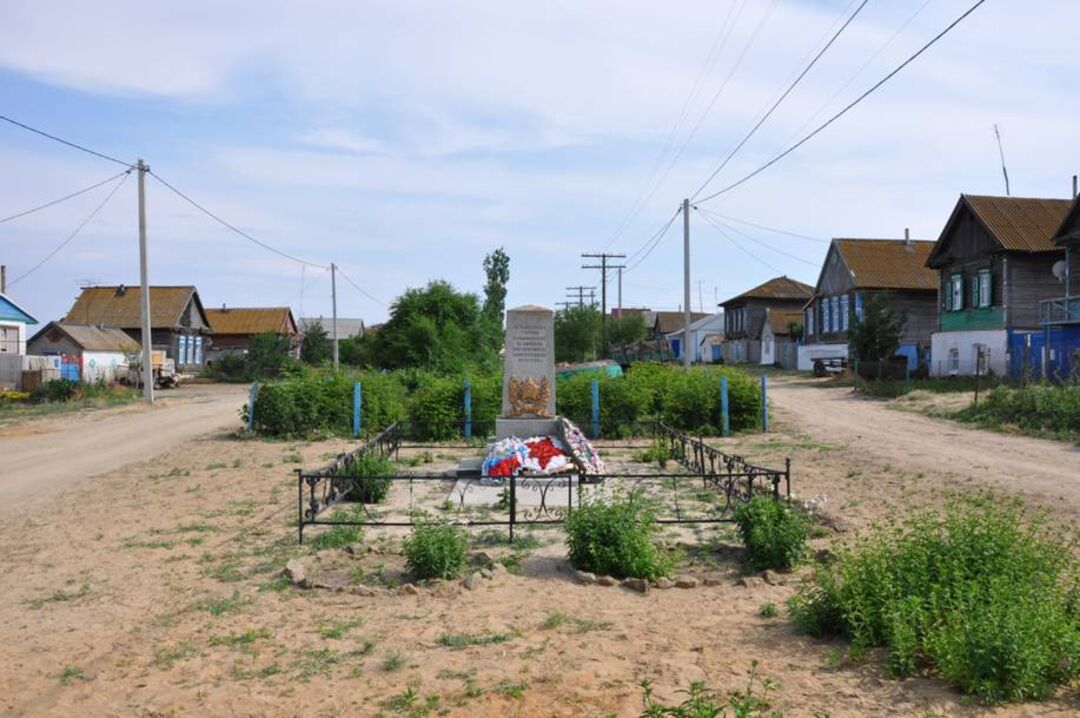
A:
[714,222]
[735,150]
[65,197]
[232,227]
[655,240]
[62,141]
[649,188]
[74,234]
[743,249]
[306,286]
[769,229]
[845,110]
[358,288]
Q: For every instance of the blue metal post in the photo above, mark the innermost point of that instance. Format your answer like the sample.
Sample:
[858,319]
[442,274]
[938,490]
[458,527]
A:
[468,409]
[595,409]
[907,378]
[724,412]
[357,405]
[764,403]
[252,396]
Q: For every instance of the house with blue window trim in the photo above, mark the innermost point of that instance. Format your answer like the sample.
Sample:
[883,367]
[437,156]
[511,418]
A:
[1060,315]
[995,260]
[14,320]
[178,322]
[856,269]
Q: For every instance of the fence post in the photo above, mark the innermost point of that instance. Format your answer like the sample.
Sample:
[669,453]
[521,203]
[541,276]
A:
[595,409]
[468,409]
[764,403]
[724,413]
[357,405]
[253,394]
[787,475]
[513,505]
[907,378]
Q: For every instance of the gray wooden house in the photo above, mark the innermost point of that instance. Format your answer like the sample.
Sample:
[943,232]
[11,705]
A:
[854,271]
[1060,314]
[995,260]
[178,323]
[744,315]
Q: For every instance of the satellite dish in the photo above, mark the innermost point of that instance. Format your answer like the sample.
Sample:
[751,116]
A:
[1059,270]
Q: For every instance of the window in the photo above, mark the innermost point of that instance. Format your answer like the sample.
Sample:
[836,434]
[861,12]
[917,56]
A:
[985,288]
[6,339]
[826,325]
[836,313]
[181,355]
[844,309]
[954,361]
[858,306]
[197,359]
[809,321]
[956,292]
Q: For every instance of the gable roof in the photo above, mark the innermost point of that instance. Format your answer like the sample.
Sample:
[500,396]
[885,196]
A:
[91,337]
[776,288]
[1017,224]
[120,306]
[346,327]
[887,263]
[779,319]
[251,320]
[11,310]
[667,322]
[1069,230]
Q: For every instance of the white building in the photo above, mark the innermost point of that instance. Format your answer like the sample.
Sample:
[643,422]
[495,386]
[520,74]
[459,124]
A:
[87,353]
[702,333]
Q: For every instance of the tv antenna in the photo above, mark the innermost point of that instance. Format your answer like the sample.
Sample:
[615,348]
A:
[1001,153]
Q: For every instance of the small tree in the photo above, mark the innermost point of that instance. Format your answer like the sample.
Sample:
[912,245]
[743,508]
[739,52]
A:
[626,330]
[267,354]
[795,331]
[577,334]
[876,336]
[316,347]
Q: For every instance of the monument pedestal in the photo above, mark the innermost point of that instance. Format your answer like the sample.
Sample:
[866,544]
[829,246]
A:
[523,427]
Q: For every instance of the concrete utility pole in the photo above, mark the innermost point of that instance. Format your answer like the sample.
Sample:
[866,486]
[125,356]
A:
[686,282]
[333,298]
[603,267]
[621,267]
[144,285]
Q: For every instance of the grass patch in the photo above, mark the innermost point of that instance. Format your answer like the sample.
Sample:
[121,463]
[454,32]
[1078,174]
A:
[341,536]
[701,702]
[768,610]
[982,593]
[166,658]
[222,606]
[436,549]
[394,661]
[458,641]
[556,619]
[337,629]
[59,596]
[241,640]
[70,674]
[510,689]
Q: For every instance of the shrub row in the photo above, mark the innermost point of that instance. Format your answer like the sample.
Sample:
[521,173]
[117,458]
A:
[318,403]
[982,593]
[1035,408]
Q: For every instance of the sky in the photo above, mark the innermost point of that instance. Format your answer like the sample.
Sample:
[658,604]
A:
[404,141]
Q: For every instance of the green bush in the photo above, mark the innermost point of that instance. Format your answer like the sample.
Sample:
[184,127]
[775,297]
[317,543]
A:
[55,390]
[774,534]
[616,539]
[1035,408]
[366,479]
[343,535]
[982,592]
[436,549]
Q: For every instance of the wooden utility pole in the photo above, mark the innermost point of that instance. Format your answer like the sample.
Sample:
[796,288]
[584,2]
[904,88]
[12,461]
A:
[603,267]
[686,283]
[333,298]
[144,284]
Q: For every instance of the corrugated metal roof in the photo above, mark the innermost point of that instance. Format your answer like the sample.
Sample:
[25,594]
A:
[251,320]
[91,337]
[1068,232]
[346,327]
[1022,224]
[10,309]
[120,306]
[780,319]
[888,263]
[776,288]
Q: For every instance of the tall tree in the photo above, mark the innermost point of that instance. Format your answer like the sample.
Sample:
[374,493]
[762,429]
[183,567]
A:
[876,336]
[577,334]
[497,269]
[316,347]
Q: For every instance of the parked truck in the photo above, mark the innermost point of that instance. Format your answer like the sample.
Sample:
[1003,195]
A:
[164,370]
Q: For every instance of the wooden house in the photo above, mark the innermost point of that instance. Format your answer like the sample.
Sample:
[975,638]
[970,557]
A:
[1060,315]
[744,315]
[667,328]
[781,338]
[995,260]
[178,323]
[235,327]
[87,353]
[855,270]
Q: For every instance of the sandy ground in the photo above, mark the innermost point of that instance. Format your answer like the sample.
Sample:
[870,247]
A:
[44,455]
[152,590]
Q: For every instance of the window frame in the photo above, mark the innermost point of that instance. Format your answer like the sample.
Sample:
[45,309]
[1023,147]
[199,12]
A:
[986,288]
[956,292]
[845,307]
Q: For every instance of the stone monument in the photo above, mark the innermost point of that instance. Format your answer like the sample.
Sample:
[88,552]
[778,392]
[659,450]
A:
[528,397]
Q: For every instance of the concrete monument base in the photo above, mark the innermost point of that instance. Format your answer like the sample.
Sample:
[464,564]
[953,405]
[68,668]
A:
[523,428]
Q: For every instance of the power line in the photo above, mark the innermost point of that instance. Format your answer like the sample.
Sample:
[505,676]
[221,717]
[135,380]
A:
[65,198]
[306,286]
[231,227]
[739,232]
[649,188]
[780,100]
[769,229]
[844,111]
[62,141]
[654,240]
[743,249]
[74,234]
[359,289]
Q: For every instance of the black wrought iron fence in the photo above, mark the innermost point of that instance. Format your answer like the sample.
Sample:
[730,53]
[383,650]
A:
[706,489]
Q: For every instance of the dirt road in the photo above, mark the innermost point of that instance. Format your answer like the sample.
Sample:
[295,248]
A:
[871,432]
[42,456]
